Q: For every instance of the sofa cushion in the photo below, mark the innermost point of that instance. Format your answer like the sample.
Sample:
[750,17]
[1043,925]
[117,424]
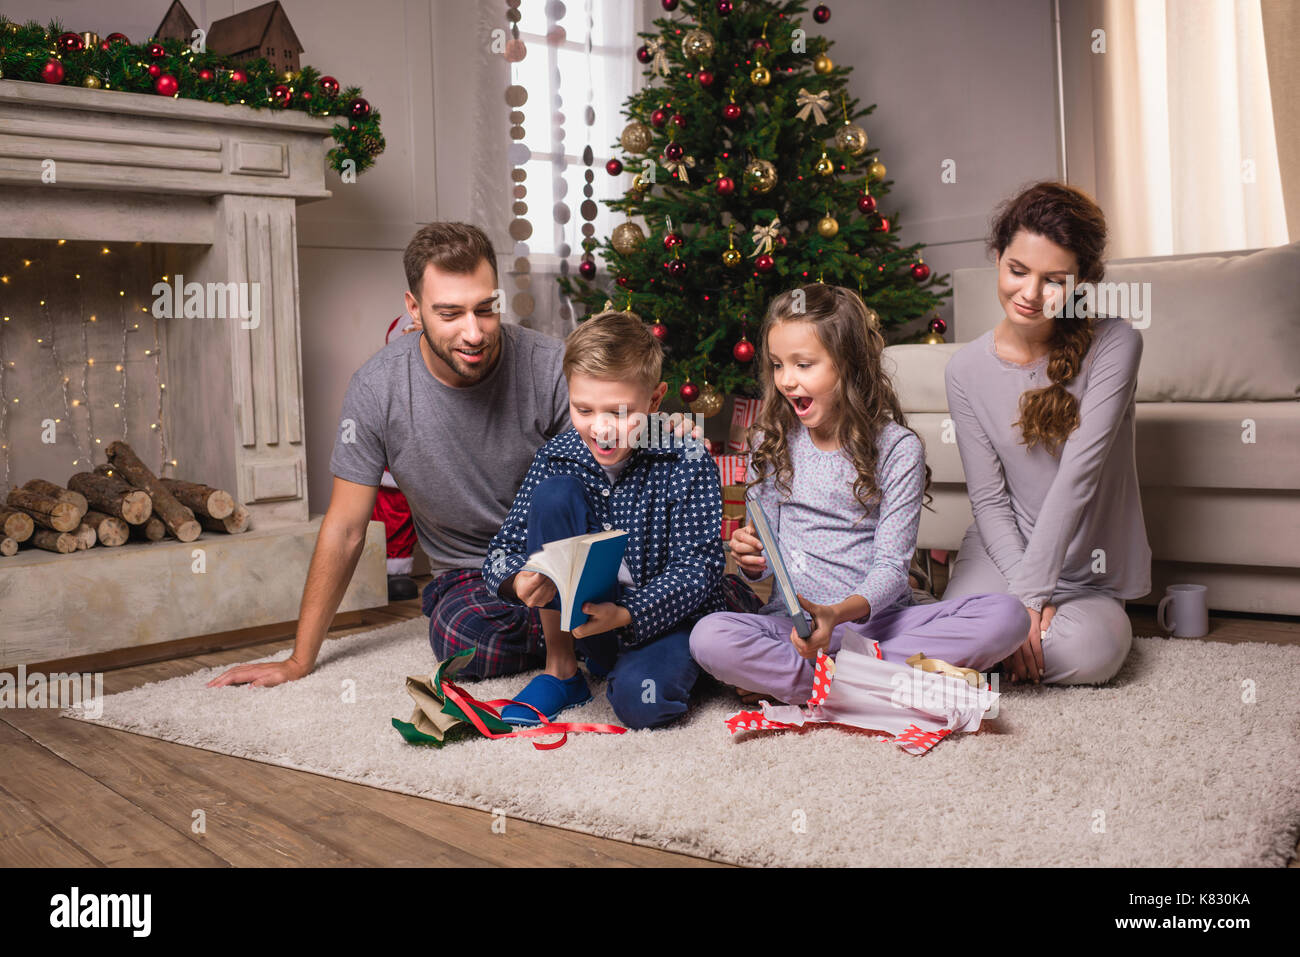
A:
[917,372]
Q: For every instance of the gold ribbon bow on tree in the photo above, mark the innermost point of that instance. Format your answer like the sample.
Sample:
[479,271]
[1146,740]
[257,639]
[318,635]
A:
[816,103]
[659,63]
[765,236]
[678,167]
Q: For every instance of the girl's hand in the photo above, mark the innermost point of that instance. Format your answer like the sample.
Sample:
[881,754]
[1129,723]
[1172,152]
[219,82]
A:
[1026,662]
[824,620]
[748,551]
[534,589]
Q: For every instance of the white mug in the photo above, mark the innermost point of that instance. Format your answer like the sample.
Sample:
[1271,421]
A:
[1191,616]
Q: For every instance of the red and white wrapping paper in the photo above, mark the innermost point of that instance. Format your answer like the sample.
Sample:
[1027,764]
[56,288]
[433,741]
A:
[743,413]
[915,709]
[731,468]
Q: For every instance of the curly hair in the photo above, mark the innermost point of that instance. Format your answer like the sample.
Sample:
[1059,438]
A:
[850,332]
[1070,218]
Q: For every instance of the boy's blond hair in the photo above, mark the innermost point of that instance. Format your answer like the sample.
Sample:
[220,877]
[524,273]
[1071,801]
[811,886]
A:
[614,345]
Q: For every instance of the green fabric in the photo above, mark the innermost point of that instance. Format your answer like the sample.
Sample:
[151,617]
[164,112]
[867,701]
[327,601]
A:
[437,718]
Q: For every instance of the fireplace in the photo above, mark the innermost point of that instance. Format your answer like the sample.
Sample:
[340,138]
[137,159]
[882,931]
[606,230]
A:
[149,293]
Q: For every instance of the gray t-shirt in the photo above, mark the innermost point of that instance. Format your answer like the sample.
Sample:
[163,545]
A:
[1064,522]
[459,455]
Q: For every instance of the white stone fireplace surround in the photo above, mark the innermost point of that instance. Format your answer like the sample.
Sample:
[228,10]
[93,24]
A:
[216,189]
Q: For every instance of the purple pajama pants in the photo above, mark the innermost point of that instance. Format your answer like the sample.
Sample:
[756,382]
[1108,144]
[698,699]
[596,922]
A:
[754,651]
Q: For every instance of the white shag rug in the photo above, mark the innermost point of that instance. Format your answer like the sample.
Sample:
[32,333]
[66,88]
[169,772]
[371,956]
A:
[1191,757]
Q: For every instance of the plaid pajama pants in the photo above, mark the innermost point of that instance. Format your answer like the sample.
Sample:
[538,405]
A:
[507,638]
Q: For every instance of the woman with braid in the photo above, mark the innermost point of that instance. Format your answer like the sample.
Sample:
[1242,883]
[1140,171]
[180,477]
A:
[1043,406]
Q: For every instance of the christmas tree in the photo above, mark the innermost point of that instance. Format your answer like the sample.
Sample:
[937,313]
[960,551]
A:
[752,175]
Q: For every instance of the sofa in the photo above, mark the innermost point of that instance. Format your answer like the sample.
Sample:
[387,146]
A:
[1218,419]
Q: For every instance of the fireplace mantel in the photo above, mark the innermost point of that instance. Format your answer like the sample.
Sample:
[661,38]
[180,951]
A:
[217,187]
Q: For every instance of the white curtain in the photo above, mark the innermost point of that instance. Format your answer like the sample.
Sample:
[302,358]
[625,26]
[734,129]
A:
[578,67]
[1169,123]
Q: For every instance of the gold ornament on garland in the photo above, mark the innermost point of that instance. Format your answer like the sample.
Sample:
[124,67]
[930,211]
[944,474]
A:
[876,170]
[823,64]
[709,402]
[731,257]
[761,175]
[697,45]
[636,137]
[90,40]
[933,339]
[92,82]
[827,226]
[760,75]
[627,238]
[824,166]
[852,139]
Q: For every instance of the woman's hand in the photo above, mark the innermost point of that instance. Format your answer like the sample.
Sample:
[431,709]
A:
[748,551]
[1026,662]
[824,620]
[534,589]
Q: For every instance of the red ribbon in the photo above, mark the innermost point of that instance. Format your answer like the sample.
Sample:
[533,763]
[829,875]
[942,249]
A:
[464,700]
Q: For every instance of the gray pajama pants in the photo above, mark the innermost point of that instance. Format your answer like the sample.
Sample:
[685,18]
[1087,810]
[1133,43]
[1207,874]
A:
[1089,636]
[754,651]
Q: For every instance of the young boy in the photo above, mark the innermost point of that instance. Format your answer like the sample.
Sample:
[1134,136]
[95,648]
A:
[613,469]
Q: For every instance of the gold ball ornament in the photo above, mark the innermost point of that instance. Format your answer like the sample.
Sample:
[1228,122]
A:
[636,137]
[697,45]
[92,82]
[933,339]
[760,76]
[876,170]
[760,174]
[731,258]
[827,226]
[627,238]
[852,138]
[709,403]
[288,76]
[823,64]
[824,166]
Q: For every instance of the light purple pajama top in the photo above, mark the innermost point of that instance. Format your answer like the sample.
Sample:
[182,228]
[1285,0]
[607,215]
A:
[1065,522]
[829,557]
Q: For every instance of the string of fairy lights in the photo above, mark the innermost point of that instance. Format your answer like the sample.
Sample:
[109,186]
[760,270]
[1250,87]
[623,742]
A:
[71,373]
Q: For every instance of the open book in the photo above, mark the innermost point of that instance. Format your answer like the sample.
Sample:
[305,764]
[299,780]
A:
[584,568]
[772,551]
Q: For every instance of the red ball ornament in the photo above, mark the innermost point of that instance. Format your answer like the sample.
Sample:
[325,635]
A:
[678,121]
[674,151]
[761,44]
[920,272]
[676,268]
[764,263]
[821,13]
[587,269]
[359,109]
[658,118]
[883,226]
[52,72]
[724,8]
[671,240]
[116,38]
[669,5]
[731,111]
[705,78]
[938,326]
[743,350]
[659,331]
[156,50]
[281,95]
[622,281]
[689,392]
[781,240]
[328,85]
[155,70]
[306,95]
[238,76]
[867,203]
[104,44]
[725,185]
[166,85]
[205,74]
[69,43]
[614,167]
[643,54]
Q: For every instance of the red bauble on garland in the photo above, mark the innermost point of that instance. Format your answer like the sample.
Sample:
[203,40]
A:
[622,281]
[328,85]
[52,72]
[743,350]
[205,74]
[920,272]
[587,269]
[659,331]
[281,95]
[155,70]
[705,78]
[116,38]
[764,263]
[238,76]
[69,43]
[669,5]
[689,392]
[678,121]
[359,109]
[867,203]
[658,118]
[156,50]
[731,112]
[614,167]
[761,44]
[724,8]
[725,185]
[166,85]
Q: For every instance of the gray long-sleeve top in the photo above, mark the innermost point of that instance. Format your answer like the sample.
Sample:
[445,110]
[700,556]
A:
[1050,522]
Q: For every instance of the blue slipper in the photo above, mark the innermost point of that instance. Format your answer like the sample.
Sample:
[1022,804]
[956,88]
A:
[549,695]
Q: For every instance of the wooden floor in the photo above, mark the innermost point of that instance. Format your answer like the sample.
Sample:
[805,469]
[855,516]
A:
[73,794]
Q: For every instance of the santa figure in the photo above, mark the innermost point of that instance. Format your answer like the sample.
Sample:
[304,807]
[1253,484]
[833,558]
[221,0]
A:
[394,511]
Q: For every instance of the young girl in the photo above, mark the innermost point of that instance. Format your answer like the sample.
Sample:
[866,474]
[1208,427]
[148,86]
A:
[841,479]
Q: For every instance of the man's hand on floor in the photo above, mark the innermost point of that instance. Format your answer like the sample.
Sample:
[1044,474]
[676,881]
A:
[264,675]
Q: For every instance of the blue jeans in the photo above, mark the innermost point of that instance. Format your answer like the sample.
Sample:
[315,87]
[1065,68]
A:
[648,686]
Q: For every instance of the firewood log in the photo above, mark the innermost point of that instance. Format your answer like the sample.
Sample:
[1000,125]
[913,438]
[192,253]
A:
[180,520]
[86,536]
[15,524]
[201,499]
[111,531]
[61,542]
[152,530]
[113,496]
[45,511]
[42,487]
[8,547]
[233,524]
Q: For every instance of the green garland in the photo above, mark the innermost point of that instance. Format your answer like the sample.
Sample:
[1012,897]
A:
[26,48]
